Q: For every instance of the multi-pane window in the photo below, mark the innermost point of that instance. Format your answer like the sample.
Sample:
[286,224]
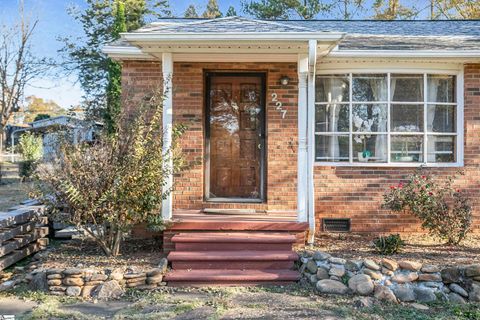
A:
[385,118]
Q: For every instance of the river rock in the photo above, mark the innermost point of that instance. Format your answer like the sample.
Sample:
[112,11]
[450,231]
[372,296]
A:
[373,274]
[390,264]
[429,268]
[331,287]
[450,275]
[361,284]
[370,264]
[474,294]
[405,277]
[384,293]
[424,294]
[312,266]
[458,289]
[473,270]
[108,290]
[73,281]
[404,293]
[410,265]
[387,272]
[429,277]
[337,260]
[337,271]
[322,274]
[353,265]
[455,298]
[320,256]
[73,291]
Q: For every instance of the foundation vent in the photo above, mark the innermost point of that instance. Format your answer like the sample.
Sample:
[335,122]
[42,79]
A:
[336,225]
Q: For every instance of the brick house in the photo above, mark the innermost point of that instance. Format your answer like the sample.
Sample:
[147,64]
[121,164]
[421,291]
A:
[303,125]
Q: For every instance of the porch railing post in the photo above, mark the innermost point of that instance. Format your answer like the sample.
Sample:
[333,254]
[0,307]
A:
[302,69]
[167,70]
[312,62]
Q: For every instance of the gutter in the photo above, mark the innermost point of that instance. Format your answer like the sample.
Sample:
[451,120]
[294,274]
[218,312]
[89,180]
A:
[405,54]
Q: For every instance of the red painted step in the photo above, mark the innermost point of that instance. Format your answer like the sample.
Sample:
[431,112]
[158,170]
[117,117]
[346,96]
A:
[258,260]
[227,241]
[230,277]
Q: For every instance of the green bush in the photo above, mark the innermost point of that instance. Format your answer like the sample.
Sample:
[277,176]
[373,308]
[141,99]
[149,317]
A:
[30,147]
[444,210]
[389,245]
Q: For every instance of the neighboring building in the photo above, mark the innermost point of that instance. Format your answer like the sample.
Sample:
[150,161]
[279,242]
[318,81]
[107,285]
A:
[309,120]
[56,128]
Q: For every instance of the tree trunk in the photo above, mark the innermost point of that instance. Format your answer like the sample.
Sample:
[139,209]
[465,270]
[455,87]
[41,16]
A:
[116,243]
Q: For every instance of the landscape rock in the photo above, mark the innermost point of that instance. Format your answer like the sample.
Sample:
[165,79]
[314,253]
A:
[474,294]
[7,285]
[57,288]
[373,274]
[116,274]
[108,290]
[87,291]
[163,265]
[54,282]
[135,275]
[337,271]
[404,293]
[320,256]
[472,270]
[337,260]
[451,275]
[390,264]
[159,277]
[370,264]
[458,289]
[39,282]
[312,266]
[98,277]
[364,302]
[429,277]
[428,268]
[154,272]
[387,272]
[312,278]
[331,287]
[410,265]
[353,265]
[73,281]
[455,298]
[384,293]
[73,291]
[322,274]
[54,276]
[419,306]
[361,284]
[54,270]
[424,294]
[405,277]
[72,271]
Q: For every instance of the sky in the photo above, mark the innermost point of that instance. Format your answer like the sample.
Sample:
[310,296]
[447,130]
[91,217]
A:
[54,22]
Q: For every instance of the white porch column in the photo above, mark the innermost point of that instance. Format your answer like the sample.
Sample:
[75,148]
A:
[312,62]
[167,69]
[302,69]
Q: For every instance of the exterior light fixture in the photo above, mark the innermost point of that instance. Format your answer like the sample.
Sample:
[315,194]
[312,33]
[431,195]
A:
[284,80]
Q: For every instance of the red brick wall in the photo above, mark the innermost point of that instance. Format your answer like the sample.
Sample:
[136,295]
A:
[356,192]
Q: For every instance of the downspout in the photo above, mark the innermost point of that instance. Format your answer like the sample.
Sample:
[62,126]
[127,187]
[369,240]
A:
[312,61]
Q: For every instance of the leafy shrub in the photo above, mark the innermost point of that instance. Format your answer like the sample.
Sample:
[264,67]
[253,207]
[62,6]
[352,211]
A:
[116,182]
[388,245]
[444,210]
[30,147]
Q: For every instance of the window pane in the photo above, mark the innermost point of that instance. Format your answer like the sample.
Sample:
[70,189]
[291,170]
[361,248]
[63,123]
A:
[441,118]
[332,148]
[440,149]
[332,88]
[407,87]
[440,88]
[406,118]
[370,148]
[406,148]
[369,87]
[332,118]
[369,117]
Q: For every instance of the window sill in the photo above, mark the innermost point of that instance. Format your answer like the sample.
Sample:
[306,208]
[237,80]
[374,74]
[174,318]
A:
[390,165]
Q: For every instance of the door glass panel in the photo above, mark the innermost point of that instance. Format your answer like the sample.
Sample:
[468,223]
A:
[235,122]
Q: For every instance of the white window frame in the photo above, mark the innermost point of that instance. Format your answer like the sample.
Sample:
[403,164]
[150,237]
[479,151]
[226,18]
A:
[459,134]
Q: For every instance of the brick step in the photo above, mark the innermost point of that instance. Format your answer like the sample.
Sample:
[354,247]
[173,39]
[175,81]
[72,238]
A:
[230,241]
[230,277]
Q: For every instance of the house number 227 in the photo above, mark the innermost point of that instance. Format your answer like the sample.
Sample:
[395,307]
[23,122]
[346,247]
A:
[278,105]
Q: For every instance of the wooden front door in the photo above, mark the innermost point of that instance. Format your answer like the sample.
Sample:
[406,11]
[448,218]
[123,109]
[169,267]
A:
[235,137]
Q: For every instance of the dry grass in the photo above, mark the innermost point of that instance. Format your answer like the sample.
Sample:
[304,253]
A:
[419,247]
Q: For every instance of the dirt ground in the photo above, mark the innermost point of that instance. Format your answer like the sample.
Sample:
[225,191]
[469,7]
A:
[12,192]
[419,247]
[290,302]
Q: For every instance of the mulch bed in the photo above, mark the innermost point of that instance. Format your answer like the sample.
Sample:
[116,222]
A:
[143,254]
[419,247]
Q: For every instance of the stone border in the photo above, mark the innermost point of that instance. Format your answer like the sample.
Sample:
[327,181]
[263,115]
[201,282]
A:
[94,283]
[390,280]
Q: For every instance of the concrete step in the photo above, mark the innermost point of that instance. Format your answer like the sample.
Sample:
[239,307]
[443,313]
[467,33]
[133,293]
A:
[230,277]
